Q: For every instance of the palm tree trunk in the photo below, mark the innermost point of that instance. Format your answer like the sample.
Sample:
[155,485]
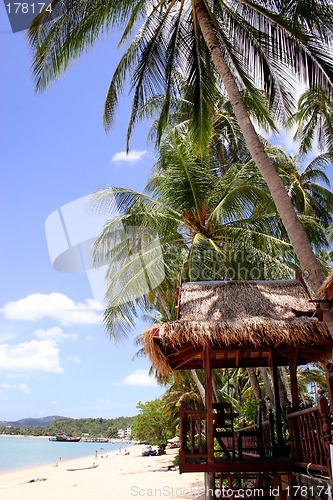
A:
[283,394]
[286,382]
[163,304]
[268,386]
[254,382]
[199,385]
[222,157]
[294,229]
[215,391]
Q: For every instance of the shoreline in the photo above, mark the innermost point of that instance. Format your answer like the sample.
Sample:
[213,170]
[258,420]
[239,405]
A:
[53,458]
[111,440]
[116,476]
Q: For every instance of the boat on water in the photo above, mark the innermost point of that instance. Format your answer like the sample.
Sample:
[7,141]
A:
[94,440]
[60,436]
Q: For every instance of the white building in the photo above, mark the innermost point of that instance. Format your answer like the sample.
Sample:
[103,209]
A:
[124,433]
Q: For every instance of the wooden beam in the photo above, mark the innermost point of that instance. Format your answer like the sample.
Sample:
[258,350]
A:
[209,405]
[197,364]
[278,421]
[177,365]
[293,354]
[182,349]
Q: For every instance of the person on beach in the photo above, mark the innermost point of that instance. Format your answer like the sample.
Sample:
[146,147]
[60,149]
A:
[35,480]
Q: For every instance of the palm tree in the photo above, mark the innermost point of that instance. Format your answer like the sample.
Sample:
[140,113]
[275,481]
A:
[226,140]
[314,120]
[310,379]
[207,227]
[308,187]
[239,45]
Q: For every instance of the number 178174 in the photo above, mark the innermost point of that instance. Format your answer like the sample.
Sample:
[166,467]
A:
[306,491]
[27,8]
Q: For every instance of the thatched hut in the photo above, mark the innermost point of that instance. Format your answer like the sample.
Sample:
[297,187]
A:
[246,324]
[326,289]
[241,322]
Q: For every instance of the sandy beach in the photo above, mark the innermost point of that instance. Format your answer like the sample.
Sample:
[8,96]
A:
[118,476]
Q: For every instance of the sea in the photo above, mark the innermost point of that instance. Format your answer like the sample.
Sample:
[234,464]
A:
[18,452]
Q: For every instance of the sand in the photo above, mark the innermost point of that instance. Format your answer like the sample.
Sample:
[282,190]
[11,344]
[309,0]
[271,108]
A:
[118,476]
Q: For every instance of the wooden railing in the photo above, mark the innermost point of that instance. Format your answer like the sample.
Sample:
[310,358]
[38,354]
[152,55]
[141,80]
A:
[310,436]
[193,433]
[258,441]
[193,436]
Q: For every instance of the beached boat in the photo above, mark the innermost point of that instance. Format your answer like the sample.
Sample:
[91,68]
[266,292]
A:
[84,468]
[62,437]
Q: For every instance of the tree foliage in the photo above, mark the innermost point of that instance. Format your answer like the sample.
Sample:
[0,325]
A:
[191,222]
[93,427]
[153,423]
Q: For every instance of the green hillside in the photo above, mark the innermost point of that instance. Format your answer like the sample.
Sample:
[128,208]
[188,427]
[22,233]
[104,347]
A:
[92,427]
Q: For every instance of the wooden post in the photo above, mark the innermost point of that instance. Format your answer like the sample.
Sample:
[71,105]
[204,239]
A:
[209,476]
[183,436]
[293,423]
[294,440]
[326,428]
[278,421]
[271,431]
[209,405]
[293,378]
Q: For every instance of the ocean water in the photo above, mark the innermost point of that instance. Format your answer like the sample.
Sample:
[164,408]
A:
[21,452]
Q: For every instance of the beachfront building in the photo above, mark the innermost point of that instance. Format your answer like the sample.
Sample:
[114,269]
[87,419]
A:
[124,433]
[250,324]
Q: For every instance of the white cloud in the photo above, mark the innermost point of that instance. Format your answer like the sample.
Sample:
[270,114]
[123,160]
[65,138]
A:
[90,338]
[74,359]
[140,378]
[54,305]
[35,355]
[102,401]
[285,140]
[23,387]
[130,157]
[5,337]
[55,333]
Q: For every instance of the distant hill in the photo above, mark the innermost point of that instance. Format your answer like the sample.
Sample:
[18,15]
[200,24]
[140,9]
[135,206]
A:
[49,426]
[31,422]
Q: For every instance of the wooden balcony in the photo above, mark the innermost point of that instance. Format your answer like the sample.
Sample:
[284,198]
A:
[194,457]
[309,433]
[310,437]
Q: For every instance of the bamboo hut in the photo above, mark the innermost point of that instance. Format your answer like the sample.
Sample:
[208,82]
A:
[247,324]
[241,322]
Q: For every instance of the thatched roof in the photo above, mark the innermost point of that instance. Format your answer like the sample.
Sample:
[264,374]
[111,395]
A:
[241,321]
[326,285]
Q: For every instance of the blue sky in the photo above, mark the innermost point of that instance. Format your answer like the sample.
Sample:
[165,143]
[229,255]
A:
[55,357]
